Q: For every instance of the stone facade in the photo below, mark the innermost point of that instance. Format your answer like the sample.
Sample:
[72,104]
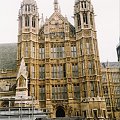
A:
[111,88]
[7,85]
[61,62]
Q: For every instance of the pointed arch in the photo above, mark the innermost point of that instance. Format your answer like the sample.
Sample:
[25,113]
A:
[78,20]
[25,7]
[60,112]
[33,21]
[85,18]
[20,22]
[91,19]
[27,21]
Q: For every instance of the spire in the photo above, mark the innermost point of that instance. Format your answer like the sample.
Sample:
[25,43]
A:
[107,64]
[76,1]
[66,18]
[22,82]
[22,70]
[56,9]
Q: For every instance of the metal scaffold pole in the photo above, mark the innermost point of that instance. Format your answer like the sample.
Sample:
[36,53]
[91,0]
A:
[32,102]
[9,110]
[21,109]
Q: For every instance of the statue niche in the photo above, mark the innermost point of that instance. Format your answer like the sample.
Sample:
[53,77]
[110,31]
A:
[21,82]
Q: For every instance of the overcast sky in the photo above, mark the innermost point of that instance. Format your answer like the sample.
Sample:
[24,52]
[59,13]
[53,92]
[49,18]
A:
[107,22]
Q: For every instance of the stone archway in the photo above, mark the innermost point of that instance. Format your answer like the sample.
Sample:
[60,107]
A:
[5,103]
[60,112]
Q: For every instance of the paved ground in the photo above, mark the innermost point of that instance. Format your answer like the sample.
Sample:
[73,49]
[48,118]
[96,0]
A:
[65,118]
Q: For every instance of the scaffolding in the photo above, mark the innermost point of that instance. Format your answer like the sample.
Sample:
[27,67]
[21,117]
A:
[24,111]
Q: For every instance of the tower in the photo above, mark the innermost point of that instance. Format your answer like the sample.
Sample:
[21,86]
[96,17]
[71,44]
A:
[92,101]
[28,38]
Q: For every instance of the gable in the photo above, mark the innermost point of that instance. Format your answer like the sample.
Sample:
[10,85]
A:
[22,70]
[56,22]
[57,17]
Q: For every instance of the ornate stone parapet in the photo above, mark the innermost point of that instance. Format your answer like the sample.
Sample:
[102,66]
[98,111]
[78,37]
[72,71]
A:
[93,99]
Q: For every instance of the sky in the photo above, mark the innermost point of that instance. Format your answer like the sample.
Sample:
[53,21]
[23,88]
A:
[106,20]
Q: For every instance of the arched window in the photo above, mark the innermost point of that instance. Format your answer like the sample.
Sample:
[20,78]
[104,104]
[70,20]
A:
[83,4]
[78,20]
[28,7]
[85,18]
[20,22]
[91,19]
[27,21]
[26,50]
[33,22]
[25,7]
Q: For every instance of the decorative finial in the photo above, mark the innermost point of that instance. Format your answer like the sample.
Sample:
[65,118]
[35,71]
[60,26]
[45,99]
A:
[66,17]
[46,19]
[59,9]
[107,63]
[29,1]
[42,21]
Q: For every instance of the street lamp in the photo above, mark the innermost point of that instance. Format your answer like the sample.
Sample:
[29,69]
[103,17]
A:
[7,89]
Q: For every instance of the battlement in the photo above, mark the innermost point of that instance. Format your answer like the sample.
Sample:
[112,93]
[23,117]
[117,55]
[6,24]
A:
[93,99]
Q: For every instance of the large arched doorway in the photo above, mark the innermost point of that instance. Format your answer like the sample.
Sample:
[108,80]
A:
[60,112]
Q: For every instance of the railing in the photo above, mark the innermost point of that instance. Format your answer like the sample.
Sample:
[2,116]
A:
[21,112]
[5,71]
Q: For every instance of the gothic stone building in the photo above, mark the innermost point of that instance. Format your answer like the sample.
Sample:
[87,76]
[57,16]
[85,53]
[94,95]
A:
[57,63]
[111,88]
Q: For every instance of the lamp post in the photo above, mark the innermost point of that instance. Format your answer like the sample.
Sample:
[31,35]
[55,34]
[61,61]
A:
[9,108]
[32,108]
[7,89]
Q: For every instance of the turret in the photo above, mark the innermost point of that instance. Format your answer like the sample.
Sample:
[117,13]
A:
[84,15]
[28,38]
[28,17]
[28,29]
[92,100]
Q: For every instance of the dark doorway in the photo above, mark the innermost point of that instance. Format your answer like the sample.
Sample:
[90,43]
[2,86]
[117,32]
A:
[60,112]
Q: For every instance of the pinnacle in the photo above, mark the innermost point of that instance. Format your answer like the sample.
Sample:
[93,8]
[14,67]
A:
[55,1]
[28,1]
